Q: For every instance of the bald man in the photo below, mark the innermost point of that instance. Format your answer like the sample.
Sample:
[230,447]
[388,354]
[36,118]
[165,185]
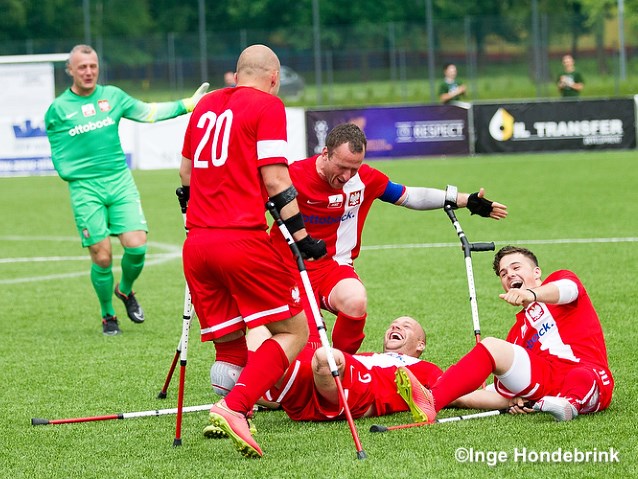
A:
[234,160]
[308,392]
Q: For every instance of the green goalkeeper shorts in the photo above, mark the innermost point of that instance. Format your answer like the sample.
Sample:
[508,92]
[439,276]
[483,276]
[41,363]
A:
[107,206]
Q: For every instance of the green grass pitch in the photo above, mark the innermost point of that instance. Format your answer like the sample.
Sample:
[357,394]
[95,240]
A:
[575,210]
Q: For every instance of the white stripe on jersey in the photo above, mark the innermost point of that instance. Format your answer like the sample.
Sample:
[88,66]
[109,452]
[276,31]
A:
[541,319]
[347,231]
[272,149]
[386,360]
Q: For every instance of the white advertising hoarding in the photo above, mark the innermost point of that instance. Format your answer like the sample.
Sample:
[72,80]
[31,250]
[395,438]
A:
[26,91]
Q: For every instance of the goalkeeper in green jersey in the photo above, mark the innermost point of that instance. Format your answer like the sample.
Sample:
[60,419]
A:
[82,126]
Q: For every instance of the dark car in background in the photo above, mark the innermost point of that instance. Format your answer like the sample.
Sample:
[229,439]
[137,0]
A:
[291,83]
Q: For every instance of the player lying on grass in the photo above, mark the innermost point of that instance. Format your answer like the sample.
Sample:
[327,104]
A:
[554,355]
[308,392]
[335,193]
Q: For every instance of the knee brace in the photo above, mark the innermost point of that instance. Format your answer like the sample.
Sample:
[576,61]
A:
[223,376]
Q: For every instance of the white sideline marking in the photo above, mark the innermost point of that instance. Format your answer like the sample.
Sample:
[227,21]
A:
[172,252]
[512,242]
[47,259]
[175,252]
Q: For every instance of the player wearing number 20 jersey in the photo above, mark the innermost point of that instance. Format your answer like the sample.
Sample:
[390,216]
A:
[233,160]
[233,133]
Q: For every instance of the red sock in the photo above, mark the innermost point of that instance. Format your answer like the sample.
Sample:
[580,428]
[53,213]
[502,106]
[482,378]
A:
[267,365]
[347,334]
[465,376]
[233,352]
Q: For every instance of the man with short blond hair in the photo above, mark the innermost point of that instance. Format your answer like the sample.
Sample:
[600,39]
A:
[82,126]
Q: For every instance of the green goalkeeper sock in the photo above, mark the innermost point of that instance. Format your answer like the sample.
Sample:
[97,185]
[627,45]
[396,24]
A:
[102,279]
[132,264]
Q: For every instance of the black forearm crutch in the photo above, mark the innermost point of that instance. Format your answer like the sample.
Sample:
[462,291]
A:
[467,252]
[334,370]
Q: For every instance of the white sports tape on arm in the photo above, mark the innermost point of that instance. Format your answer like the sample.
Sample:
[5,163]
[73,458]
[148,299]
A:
[417,198]
[567,291]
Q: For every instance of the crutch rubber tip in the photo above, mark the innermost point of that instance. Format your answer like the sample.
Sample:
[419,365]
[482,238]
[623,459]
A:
[361,455]
[38,422]
[161,395]
[177,442]
[378,428]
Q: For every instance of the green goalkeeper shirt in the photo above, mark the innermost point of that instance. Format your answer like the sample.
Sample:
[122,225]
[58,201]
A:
[83,130]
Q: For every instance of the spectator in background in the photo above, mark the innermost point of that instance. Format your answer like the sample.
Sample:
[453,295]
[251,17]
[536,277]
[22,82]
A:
[82,126]
[450,88]
[570,82]
[229,79]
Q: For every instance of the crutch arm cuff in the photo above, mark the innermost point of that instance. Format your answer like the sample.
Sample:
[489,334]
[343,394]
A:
[294,223]
[451,196]
[283,198]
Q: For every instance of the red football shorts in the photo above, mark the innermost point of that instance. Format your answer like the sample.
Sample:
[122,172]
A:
[237,280]
[532,376]
[324,276]
[301,401]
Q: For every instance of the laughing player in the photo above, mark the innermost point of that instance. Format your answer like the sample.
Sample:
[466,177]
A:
[308,392]
[336,191]
[554,355]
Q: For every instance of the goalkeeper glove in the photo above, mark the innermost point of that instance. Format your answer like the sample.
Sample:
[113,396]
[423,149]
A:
[190,103]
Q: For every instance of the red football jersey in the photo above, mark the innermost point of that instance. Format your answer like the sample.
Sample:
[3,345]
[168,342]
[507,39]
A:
[335,216]
[231,133]
[568,332]
[368,381]
[383,368]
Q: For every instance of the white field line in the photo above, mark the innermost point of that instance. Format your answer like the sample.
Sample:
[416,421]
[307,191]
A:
[52,259]
[506,242]
[174,252]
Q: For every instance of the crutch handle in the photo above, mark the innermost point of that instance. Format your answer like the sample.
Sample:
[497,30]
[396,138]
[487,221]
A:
[449,210]
[183,195]
[482,246]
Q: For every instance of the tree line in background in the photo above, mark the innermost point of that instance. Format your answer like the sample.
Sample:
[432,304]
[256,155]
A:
[24,20]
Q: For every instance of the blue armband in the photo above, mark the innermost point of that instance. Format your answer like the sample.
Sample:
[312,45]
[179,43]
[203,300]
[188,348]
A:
[393,191]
